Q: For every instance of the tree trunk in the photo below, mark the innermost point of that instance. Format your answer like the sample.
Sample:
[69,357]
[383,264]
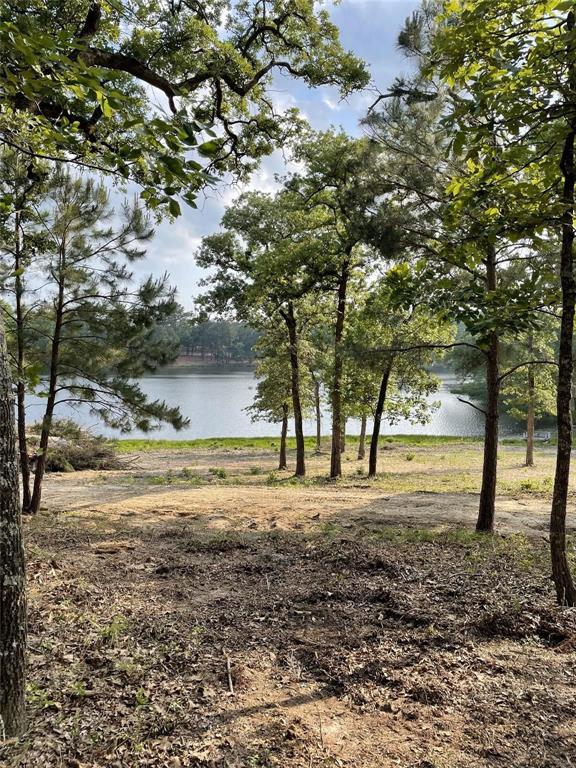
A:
[373,458]
[343,437]
[20,356]
[290,320]
[282,463]
[362,440]
[530,419]
[12,573]
[50,400]
[335,458]
[318,416]
[565,591]
[485,521]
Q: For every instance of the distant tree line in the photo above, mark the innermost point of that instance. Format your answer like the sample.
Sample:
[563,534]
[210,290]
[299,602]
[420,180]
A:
[218,341]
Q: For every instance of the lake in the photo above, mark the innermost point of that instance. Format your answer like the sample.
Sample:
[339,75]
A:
[215,400]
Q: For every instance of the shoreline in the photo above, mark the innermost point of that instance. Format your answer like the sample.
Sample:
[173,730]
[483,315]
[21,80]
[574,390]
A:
[129,445]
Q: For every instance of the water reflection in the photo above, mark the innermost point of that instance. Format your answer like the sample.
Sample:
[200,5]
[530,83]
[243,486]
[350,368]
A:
[214,401]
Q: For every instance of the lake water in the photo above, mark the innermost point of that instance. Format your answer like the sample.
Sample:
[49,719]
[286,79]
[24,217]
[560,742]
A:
[215,402]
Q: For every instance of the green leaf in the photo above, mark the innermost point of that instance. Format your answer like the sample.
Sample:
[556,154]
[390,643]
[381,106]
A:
[209,148]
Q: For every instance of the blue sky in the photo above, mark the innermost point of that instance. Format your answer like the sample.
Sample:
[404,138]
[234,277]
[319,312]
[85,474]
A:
[367,27]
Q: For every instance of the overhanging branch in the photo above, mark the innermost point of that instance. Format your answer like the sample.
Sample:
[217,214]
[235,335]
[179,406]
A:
[528,362]
[472,405]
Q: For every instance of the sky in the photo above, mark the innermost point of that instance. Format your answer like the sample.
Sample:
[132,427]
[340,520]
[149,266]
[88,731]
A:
[368,28]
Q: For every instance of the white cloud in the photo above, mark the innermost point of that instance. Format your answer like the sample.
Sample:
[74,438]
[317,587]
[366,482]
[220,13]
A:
[282,101]
[332,103]
[174,244]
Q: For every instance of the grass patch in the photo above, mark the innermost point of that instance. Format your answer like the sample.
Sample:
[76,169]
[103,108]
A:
[186,475]
[531,486]
[268,444]
[520,549]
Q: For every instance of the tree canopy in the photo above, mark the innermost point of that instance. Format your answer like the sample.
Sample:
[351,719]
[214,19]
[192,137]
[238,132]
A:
[165,94]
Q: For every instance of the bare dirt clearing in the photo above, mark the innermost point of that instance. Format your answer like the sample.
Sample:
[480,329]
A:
[421,486]
[245,620]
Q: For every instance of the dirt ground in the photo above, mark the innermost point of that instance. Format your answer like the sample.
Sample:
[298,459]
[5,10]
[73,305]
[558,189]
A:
[201,609]
[430,486]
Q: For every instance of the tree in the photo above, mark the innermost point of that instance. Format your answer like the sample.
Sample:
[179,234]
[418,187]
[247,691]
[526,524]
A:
[76,82]
[467,246]
[530,392]
[341,184]
[359,385]
[12,568]
[89,320]
[18,244]
[264,263]
[394,338]
[273,398]
[521,148]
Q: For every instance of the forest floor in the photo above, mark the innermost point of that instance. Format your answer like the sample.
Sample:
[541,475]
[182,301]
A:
[199,608]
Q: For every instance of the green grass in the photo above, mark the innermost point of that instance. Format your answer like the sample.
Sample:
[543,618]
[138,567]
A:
[271,444]
[427,439]
[523,551]
[186,475]
[521,441]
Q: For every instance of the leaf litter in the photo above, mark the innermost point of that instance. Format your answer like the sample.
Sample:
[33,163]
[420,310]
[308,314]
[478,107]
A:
[168,646]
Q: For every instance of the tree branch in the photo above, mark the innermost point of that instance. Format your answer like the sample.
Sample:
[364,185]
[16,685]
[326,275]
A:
[528,362]
[467,402]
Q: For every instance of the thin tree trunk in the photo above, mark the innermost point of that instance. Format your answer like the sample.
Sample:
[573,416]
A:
[530,419]
[343,437]
[362,440]
[485,521]
[12,570]
[565,591]
[290,320]
[282,463]
[51,399]
[23,444]
[373,458]
[318,416]
[335,458]
[20,354]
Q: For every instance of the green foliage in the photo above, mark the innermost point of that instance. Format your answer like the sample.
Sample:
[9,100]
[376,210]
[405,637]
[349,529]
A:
[112,631]
[88,329]
[392,329]
[532,384]
[79,83]
[273,397]
[260,444]
[221,341]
